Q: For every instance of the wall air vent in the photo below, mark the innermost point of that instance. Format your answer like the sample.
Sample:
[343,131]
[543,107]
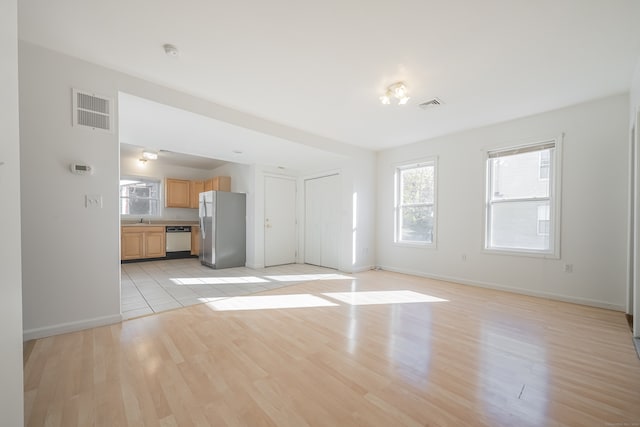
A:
[91,110]
[431,103]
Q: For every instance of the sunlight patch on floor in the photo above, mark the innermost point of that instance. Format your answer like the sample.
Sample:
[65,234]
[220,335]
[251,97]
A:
[304,277]
[266,302]
[382,297]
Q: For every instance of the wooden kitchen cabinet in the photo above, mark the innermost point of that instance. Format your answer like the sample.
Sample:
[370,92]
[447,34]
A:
[177,193]
[131,245]
[196,188]
[139,242]
[218,183]
[195,240]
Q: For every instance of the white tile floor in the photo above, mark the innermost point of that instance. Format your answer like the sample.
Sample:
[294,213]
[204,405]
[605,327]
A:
[155,286]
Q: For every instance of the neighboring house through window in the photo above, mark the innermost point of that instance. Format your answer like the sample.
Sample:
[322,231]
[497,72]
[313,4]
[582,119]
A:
[523,199]
[139,196]
[415,214]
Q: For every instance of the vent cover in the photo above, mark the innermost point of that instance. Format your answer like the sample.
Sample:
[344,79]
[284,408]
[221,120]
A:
[91,110]
[431,103]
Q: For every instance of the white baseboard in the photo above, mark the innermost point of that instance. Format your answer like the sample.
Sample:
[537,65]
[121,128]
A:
[255,266]
[361,269]
[63,328]
[547,295]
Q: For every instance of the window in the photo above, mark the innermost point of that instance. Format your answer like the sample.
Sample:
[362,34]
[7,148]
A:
[521,209]
[139,197]
[544,162]
[543,220]
[415,203]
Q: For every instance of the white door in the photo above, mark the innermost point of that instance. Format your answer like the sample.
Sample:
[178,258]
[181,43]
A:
[322,219]
[280,243]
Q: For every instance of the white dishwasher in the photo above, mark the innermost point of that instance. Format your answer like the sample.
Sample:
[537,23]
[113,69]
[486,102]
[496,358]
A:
[178,241]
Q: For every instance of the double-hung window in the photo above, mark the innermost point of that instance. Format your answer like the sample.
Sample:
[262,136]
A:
[139,196]
[523,199]
[415,213]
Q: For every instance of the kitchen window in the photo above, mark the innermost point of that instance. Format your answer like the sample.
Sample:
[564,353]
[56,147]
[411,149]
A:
[522,204]
[139,196]
[415,213]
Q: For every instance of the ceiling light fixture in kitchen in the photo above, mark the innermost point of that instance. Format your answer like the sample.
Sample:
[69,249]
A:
[396,91]
[149,155]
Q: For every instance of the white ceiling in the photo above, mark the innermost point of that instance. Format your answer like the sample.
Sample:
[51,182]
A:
[157,126]
[130,152]
[321,66]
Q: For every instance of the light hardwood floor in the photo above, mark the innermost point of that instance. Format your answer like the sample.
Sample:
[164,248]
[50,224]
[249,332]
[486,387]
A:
[380,349]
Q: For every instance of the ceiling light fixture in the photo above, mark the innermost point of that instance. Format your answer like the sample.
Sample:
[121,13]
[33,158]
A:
[170,50]
[396,91]
[150,155]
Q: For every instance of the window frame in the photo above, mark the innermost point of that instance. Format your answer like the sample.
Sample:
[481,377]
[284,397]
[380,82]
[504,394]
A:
[150,179]
[555,199]
[397,206]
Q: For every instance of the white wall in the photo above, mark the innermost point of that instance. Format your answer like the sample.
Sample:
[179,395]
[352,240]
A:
[71,269]
[130,167]
[594,207]
[11,388]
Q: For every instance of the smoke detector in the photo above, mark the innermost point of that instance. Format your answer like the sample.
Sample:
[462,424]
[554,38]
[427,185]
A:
[434,102]
[171,50]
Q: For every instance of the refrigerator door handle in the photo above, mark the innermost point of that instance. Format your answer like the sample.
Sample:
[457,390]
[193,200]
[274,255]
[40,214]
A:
[202,222]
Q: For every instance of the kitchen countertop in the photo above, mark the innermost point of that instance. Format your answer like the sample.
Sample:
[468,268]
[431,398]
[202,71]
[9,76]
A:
[158,223]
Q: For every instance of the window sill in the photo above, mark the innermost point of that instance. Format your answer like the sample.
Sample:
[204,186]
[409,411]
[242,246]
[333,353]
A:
[416,245]
[522,253]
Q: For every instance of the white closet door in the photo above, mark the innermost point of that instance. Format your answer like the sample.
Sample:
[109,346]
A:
[280,243]
[322,221]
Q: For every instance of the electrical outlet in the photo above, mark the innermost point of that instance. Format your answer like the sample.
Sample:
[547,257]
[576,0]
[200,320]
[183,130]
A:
[92,201]
[568,268]
[464,257]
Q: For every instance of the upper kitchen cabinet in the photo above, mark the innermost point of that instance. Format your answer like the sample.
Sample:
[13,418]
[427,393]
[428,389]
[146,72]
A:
[197,187]
[218,183]
[178,193]
[183,193]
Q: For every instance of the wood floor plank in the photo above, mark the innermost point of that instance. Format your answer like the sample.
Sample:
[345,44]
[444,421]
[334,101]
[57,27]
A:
[480,357]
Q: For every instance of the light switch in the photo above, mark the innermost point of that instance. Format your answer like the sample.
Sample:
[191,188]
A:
[93,201]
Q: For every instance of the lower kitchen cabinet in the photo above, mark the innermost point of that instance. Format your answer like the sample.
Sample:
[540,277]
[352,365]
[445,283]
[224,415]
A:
[195,240]
[142,242]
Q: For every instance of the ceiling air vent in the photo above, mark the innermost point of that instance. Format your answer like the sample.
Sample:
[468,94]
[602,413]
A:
[431,103]
[92,111]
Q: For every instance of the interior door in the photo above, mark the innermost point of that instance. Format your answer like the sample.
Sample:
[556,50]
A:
[322,220]
[280,245]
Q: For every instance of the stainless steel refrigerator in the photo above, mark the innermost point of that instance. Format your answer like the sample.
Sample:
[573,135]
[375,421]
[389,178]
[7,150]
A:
[223,229]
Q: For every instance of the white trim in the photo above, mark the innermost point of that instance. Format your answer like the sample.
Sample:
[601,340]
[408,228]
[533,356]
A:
[631,220]
[255,266]
[636,261]
[63,328]
[495,286]
[362,269]
[416,245]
